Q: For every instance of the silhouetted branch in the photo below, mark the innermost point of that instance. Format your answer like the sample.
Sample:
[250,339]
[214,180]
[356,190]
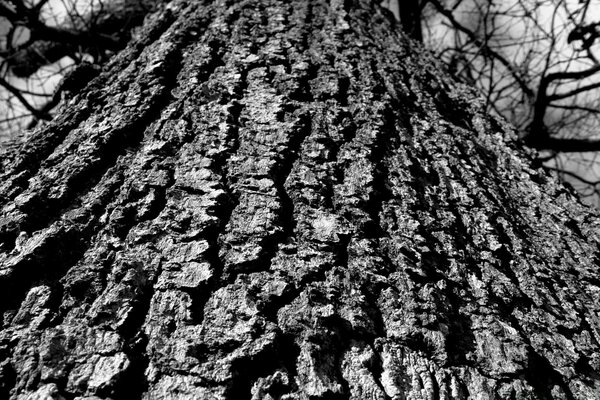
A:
[483,45]
[17,93]
[574,175]
[563,145]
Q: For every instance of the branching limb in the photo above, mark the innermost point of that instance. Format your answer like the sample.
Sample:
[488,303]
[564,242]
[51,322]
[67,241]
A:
[17,93]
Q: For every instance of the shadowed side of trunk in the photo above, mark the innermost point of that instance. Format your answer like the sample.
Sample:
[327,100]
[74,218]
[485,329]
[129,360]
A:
[259,200]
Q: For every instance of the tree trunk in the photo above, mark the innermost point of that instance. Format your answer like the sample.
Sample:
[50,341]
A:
[410,18]
[258,200]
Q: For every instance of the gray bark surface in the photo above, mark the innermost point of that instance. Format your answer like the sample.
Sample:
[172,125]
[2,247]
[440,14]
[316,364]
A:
[261,200]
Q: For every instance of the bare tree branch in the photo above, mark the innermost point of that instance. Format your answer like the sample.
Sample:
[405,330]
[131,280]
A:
[17,93]
[448,14]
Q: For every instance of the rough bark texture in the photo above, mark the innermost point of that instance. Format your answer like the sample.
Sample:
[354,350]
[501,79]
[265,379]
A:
[259,200]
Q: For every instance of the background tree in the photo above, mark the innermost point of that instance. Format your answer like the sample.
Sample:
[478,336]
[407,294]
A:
[42,41]
[265,199]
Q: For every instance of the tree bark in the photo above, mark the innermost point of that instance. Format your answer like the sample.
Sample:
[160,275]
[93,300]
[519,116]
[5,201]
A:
[262,200]
[410,12]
